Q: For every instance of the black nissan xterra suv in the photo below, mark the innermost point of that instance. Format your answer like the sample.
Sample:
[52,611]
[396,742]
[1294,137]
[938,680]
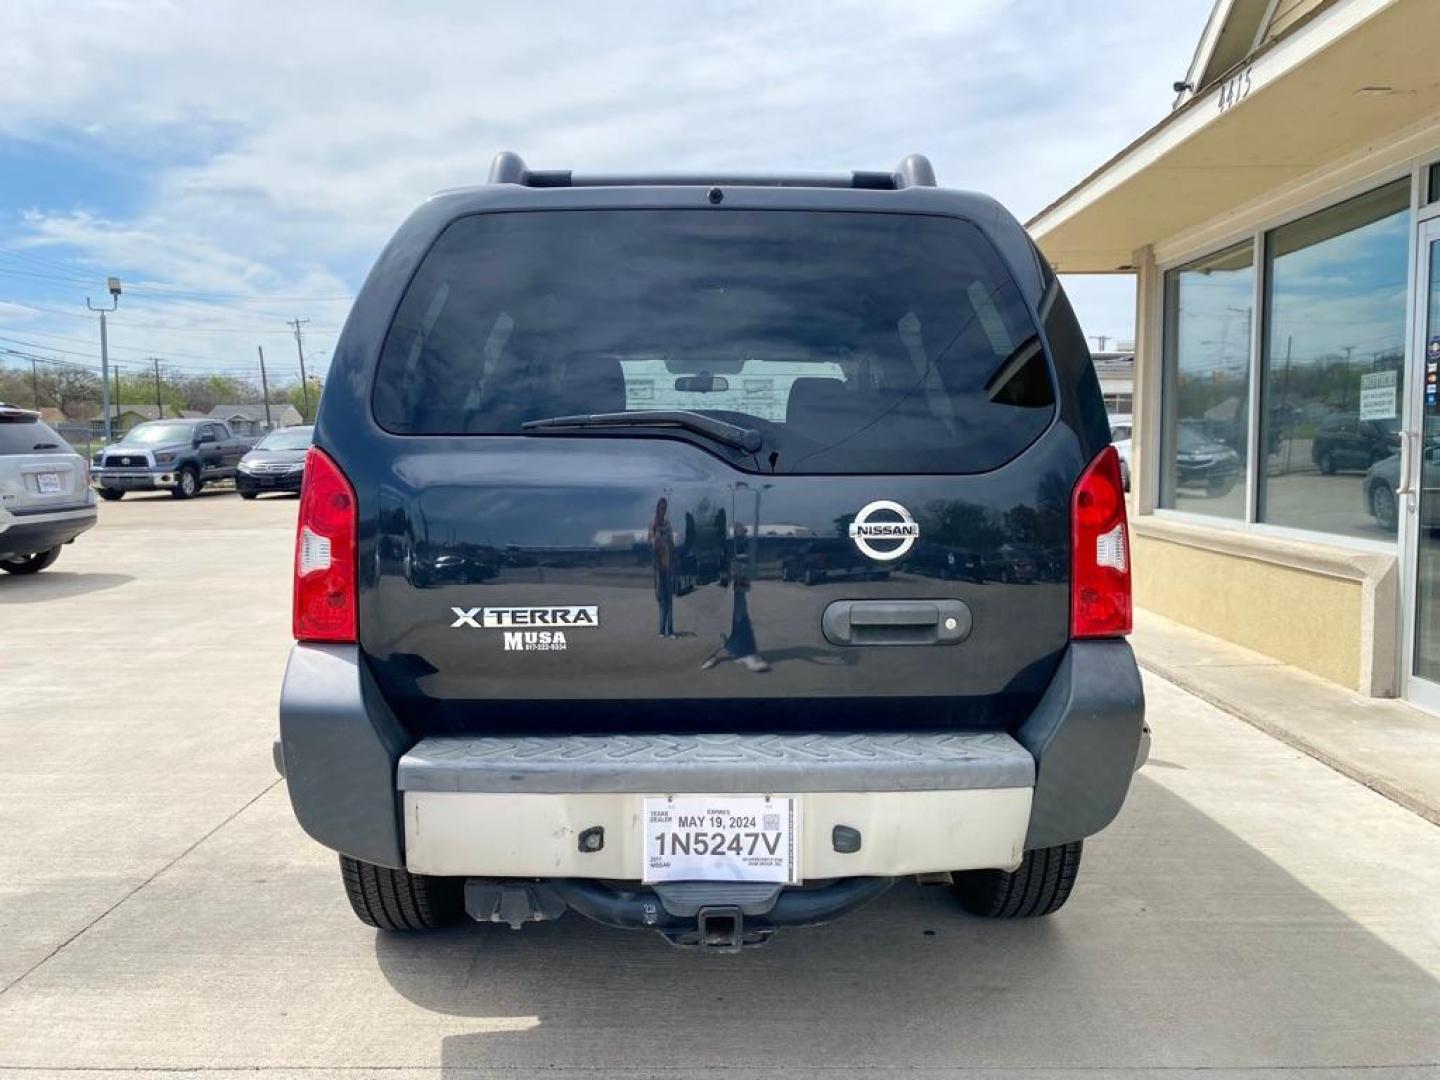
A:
[547,654]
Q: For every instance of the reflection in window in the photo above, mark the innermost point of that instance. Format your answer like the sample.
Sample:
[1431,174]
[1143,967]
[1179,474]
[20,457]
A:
[1206,393]
[1334,366]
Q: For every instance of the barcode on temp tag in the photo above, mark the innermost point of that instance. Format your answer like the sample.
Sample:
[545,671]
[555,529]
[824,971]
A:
[771,821]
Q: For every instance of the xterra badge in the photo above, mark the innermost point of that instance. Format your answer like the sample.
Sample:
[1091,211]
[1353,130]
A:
[887,522]
[528,629]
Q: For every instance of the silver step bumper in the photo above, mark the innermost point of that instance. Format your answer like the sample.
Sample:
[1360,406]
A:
[716,764]
[517,807]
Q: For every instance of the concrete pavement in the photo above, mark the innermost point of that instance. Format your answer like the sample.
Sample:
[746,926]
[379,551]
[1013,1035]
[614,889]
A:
[1383,743]
[1251,912]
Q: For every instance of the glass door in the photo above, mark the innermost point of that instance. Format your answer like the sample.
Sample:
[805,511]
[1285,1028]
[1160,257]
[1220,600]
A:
[1418,481]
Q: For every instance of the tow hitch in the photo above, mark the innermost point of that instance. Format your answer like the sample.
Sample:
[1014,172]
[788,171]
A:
[714,916]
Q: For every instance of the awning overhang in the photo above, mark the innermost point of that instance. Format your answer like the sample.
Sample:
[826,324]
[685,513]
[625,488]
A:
[1357,72]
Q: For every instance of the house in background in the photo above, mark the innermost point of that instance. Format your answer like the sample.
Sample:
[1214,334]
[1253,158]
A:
[1116,372]
[122,419]
[1283,226]
[249,420]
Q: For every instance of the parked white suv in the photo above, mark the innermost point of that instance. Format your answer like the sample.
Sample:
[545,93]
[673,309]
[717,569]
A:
[45,496]
[1121,428]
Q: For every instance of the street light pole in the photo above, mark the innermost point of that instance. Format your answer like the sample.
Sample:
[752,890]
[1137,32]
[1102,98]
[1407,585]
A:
[113,285]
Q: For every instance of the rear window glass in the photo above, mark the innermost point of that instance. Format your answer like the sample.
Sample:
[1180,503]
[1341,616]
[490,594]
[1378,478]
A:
[30,437]
[853,342]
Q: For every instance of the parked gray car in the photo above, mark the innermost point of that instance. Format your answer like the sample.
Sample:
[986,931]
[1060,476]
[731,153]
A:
[45,499]
[180,456]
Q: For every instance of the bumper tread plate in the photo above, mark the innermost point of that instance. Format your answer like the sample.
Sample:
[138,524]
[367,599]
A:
[717,763]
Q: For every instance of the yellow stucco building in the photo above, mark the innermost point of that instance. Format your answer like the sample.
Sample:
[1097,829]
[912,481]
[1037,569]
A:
[1283,226]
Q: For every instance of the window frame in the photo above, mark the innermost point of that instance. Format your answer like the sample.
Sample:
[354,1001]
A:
[1417,172]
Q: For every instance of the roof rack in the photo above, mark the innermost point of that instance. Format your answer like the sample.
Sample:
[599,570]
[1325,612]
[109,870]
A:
[914,171]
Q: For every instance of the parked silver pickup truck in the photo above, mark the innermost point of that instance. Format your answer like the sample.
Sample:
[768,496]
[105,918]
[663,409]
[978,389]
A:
[179,455]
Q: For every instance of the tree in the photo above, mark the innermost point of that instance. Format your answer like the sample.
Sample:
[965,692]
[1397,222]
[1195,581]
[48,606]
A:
[74,391]
[294,394]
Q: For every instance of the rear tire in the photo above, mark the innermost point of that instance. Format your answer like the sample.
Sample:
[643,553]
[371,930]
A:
[32,564]
[1040,885]
[111,495]
[399,900]
[248,494]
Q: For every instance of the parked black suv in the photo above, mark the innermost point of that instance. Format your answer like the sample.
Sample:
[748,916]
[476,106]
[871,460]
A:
[609,379]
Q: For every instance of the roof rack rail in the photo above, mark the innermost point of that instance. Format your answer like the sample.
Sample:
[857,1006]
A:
[915,171]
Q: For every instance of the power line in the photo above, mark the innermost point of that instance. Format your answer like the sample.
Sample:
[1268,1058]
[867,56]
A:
[80,274]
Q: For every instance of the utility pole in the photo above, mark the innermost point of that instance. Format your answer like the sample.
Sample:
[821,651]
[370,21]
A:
[300,351]
[159,408]
[1100,340]
[264,389]
[113,285]
[35,385]
[117,393]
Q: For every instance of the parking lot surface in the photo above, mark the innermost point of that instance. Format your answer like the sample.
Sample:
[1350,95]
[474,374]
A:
[1250,912]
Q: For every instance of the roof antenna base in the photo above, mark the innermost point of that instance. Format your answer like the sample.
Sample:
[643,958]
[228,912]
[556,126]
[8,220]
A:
[915,171]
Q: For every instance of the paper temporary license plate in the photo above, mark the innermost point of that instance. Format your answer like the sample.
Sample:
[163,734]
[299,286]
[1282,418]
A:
[49,483]
[722,838]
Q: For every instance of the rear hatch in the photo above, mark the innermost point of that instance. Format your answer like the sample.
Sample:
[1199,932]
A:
[692,470]
[39,472]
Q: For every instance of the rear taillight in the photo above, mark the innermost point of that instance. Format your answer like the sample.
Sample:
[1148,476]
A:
[325,558]
[1099,551]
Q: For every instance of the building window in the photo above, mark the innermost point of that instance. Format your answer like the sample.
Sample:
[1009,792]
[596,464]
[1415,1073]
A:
[1434,185]
[1206,386]
[1334,377]
[1119,403]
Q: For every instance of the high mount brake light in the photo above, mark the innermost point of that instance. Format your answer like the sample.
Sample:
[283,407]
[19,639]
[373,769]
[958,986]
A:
[1099,551]
[325,554]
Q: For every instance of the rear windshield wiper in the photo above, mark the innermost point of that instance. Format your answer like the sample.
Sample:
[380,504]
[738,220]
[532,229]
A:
[742,438]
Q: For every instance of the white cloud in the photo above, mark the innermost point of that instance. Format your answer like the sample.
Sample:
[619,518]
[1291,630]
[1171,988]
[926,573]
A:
[287,140]
[16,312]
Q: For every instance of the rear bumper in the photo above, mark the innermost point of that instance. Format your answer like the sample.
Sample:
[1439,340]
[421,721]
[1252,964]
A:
[514,807]
[32,534]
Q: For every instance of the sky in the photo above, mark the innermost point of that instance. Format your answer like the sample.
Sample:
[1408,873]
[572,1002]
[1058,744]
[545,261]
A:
[240,164]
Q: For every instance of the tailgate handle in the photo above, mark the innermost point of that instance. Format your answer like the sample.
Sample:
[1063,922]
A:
[896,622]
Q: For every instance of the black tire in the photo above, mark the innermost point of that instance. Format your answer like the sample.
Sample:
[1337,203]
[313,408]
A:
[1039,886]
[399,900]
[814,577]
[31,564]
[1383,506]
[111,495]
[1326,463]
[1219,486]
[248,494]
[187,484]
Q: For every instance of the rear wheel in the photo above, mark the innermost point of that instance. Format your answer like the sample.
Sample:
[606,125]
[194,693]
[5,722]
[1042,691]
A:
[111,495]
[399,900]
[248,494]
[1326,463]
[1040,885]
[30,564]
